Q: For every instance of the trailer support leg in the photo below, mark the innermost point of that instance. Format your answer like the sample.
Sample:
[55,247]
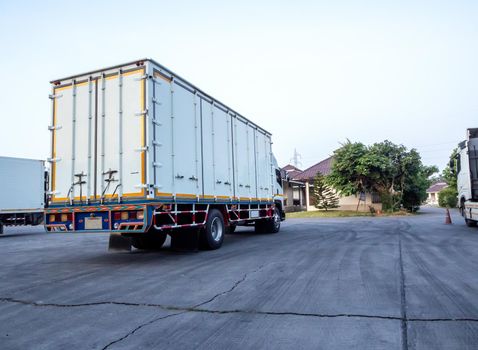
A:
[119,243]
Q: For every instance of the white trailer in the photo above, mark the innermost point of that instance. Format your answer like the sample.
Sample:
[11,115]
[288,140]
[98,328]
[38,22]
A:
[22,191]
[139,151]
[467,177]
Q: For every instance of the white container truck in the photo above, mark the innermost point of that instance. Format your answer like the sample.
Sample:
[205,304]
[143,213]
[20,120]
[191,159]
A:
[140,152]
[467,177]
[22,191]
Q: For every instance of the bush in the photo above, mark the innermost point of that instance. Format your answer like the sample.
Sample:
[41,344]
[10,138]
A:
[448,198]
[390,202]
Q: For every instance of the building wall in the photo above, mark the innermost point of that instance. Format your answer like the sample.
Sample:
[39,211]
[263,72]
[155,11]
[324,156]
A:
[289,197]
[432,198]
[347,202]
[306,196]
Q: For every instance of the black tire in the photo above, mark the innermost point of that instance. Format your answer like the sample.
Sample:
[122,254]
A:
[269,225]
[470,223]
[232,228]
[259,226]
[462,207]
[1,229]
[212,235]
[152,240]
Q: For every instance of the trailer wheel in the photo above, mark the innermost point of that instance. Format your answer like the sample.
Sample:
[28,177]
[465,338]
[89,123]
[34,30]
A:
[212,236]
[149,241]
[271,225]
[462,207]
[470,223]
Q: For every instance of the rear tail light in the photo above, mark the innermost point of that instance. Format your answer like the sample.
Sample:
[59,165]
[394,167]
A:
[124,215]
[65,217]
[140,215]
[51,217]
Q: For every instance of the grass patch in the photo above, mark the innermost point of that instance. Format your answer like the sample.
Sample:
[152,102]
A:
[341,214]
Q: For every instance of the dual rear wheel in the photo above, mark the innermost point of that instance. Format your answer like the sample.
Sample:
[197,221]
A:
[271,225]
[212,235]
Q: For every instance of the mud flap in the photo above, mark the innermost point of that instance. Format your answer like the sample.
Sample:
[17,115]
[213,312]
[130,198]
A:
[185,240]
[119,243]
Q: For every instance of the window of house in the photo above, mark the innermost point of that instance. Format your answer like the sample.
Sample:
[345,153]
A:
[376,197]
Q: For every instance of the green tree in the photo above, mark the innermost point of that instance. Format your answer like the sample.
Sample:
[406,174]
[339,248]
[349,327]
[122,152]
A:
[415,186]
[449,173]
[396,173]
[324,196]
[350,174]
[448,197]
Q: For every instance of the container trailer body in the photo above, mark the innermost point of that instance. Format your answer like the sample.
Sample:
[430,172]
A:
[22,191]
[136,149]
[467,177]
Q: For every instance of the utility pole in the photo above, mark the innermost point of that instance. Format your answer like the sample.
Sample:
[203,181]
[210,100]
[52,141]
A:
[296,159]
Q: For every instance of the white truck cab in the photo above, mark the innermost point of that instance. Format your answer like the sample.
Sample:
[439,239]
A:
[278,188]
[467,177]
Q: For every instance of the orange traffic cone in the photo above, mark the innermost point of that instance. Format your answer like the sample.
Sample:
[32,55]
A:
[448,217]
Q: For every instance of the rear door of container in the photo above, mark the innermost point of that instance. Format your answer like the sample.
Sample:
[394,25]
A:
[98,142]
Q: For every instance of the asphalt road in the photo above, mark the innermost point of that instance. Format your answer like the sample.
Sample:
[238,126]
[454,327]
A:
[365,283]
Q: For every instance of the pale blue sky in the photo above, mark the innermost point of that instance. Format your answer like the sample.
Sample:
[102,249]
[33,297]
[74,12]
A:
[314,73]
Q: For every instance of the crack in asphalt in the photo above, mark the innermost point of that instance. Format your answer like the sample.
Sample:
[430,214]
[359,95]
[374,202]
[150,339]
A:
[138,328]
[239,311]
[235,285]
[195,308]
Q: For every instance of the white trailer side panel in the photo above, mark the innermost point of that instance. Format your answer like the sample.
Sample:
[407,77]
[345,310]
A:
[186,143]
[244,159]
[208,156]
[21,185]
[263,164]
[217,151]
[222,154]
